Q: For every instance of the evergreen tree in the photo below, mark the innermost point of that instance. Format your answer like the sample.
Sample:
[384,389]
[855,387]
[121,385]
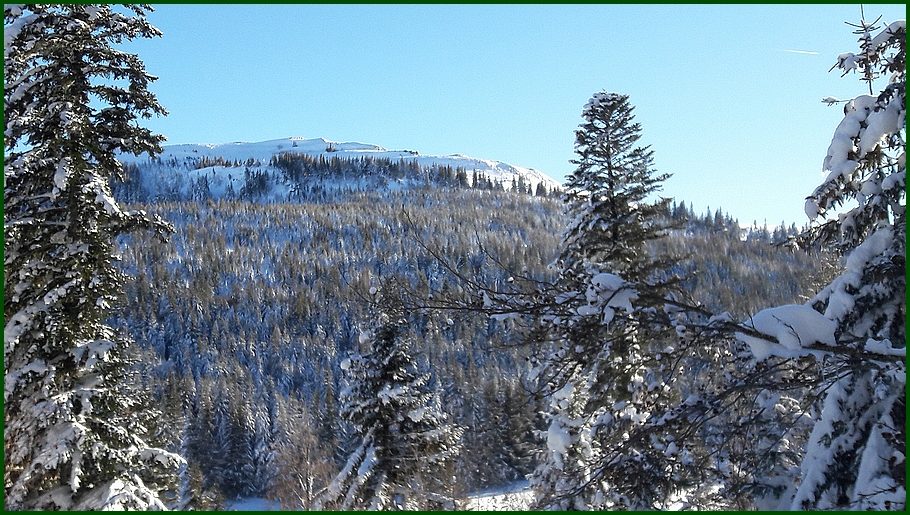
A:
[327,423]
[262,446]
[71,103]
[681,213]
[221,446]
[405,438]
[719,219]
[192,493]
[600,372]
[606,193]
[779,235]
[855,455]
[512,416]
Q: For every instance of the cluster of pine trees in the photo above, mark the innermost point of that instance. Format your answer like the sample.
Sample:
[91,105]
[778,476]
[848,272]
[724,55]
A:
[231,341]
[275,295]
[282,307]
[208,162]
[300,169]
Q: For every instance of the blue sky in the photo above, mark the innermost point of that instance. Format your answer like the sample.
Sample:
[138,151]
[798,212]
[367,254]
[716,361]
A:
[728,96]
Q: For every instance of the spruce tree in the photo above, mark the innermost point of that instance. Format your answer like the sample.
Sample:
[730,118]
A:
[405,438]
[72,437]
[262,444]
[855,455]
[606,194]
[600,370]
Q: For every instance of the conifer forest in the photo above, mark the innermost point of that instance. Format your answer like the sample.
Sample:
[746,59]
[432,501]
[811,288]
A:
[306,324]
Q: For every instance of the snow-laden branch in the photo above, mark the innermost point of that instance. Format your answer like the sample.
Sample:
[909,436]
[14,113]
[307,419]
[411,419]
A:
[791,331]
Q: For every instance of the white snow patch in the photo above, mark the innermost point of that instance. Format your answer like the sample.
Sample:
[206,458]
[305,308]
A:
[895,179]
[793,326]
[883,36]
[840,300]
[499,317]
[387,393]
[880,123]
[417,414]
[723,317]
[883,347]
[515,497]
[61,176]
[558,438]
[606,293]
[253,504]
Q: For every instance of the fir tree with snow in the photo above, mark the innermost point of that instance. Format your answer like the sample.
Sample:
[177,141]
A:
[74,438]
[607,193]
[855,456]
[260,450]
[405,439]
[855,325]
[601,374]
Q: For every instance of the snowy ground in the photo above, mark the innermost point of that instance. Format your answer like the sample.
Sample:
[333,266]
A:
[252,504]
[515,497]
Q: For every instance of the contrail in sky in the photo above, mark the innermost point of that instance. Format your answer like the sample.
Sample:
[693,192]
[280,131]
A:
[806,52]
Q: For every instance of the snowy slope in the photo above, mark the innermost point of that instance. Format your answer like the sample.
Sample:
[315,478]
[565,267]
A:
[264,150]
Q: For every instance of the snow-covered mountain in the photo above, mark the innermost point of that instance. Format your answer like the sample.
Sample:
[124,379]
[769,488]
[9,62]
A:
[187,157]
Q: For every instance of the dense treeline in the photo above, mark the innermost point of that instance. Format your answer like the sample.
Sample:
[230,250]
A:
[301,168]
[738,269]
[257,304]
[251,307]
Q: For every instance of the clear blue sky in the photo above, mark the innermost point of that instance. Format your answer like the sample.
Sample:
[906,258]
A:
[727,105]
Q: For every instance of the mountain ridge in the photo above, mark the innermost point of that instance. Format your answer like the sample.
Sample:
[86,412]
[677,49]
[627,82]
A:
[263,151]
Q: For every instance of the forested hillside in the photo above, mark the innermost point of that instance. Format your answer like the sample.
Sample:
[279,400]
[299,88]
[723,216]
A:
[251,307]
